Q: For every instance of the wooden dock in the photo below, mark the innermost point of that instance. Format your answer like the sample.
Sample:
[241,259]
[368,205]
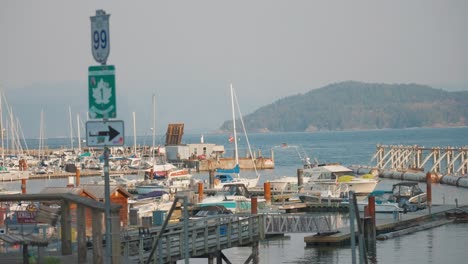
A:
[385,223]
[206,237]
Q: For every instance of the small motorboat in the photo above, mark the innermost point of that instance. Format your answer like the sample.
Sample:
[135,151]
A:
[410,192]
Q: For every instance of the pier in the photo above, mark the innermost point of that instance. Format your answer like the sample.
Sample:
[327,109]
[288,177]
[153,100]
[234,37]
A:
[441,160]
[388,223]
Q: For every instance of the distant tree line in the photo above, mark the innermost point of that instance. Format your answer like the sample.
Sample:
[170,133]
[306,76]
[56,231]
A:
[356,105]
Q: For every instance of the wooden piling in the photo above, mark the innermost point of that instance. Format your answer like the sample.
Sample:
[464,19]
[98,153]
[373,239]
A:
[254,205]
[429,191]
[371,208]
[369,235]
[200,191]
[77,175]
[211,175]
[25,254]
[267,192]
[300,178]
[23,186]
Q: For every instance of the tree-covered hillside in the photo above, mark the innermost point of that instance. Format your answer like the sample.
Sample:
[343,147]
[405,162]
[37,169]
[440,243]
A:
[356,105]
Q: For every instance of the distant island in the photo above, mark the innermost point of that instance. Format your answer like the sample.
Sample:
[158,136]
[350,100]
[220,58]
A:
[357,106]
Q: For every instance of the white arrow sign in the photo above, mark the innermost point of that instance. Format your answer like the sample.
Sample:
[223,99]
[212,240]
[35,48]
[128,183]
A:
[105,133]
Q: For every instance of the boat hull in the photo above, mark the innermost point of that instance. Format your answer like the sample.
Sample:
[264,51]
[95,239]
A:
[145,189]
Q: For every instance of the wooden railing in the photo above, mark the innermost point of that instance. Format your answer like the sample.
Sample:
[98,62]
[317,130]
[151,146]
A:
[206,235]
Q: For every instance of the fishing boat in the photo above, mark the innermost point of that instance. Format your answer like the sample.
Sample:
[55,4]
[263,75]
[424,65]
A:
[235,172]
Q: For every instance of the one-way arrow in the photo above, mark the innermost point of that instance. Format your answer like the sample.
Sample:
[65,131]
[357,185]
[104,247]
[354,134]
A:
[112,133]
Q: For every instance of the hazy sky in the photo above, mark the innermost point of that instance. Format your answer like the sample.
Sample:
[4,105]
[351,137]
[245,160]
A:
[187,52]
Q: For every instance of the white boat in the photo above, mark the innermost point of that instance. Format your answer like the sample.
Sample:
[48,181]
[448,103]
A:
[167,172]
[333,174]
[384,202]
[284,183]
[233,196]
[248,182]
[169,185]
[118,179]
[5,191]
[320,193]
[147,187]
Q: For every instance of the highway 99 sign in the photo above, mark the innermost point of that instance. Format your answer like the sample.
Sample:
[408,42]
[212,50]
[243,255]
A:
[100,36]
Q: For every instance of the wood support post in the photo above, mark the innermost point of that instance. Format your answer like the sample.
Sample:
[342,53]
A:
[200,192]
[97,237]
[81,233]
[77,180]
[254,205]
[429,190]
[66,234]
[300,179]
[267,191]
[115,234]
[211,180]
[23,186]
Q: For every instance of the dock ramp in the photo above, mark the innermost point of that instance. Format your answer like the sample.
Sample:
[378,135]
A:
[299,223]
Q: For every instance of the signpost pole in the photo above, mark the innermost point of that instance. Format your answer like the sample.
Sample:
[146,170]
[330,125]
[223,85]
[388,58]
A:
[102,105]
[107,206]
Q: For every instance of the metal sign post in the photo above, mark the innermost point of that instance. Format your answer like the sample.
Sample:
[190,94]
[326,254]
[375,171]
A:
[102,105]
[107,206]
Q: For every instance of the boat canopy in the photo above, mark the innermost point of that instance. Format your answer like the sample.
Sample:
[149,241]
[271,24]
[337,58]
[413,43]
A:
[236,169]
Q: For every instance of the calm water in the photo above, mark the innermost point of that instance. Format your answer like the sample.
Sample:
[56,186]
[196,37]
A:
[445,244]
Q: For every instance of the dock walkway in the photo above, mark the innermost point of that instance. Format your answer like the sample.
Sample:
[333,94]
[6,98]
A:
[385,223]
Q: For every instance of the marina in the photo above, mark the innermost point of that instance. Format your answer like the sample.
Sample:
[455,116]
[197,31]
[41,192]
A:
[285,201]
[351,147]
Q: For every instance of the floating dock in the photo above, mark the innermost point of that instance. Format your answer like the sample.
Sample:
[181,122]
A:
[387,223]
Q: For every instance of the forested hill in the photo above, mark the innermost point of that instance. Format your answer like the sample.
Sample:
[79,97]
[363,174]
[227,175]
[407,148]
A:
[355,105]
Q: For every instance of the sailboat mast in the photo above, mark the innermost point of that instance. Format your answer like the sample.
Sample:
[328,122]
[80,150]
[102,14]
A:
[78,131]
[71,126]
[134,134]
[154,128]
[236,155]
[1,128]
[41,134]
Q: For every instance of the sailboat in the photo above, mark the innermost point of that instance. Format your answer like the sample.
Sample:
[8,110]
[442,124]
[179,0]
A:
[225,176]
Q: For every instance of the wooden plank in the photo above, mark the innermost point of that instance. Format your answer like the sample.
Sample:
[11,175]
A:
[97,236]
[66,229]
[81,236]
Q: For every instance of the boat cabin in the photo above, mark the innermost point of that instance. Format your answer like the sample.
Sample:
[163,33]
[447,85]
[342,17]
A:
[406,190]
[237,189]
[224,178]
[326,172]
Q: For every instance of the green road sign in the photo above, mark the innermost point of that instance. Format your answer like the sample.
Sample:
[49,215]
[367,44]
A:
[101,83]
